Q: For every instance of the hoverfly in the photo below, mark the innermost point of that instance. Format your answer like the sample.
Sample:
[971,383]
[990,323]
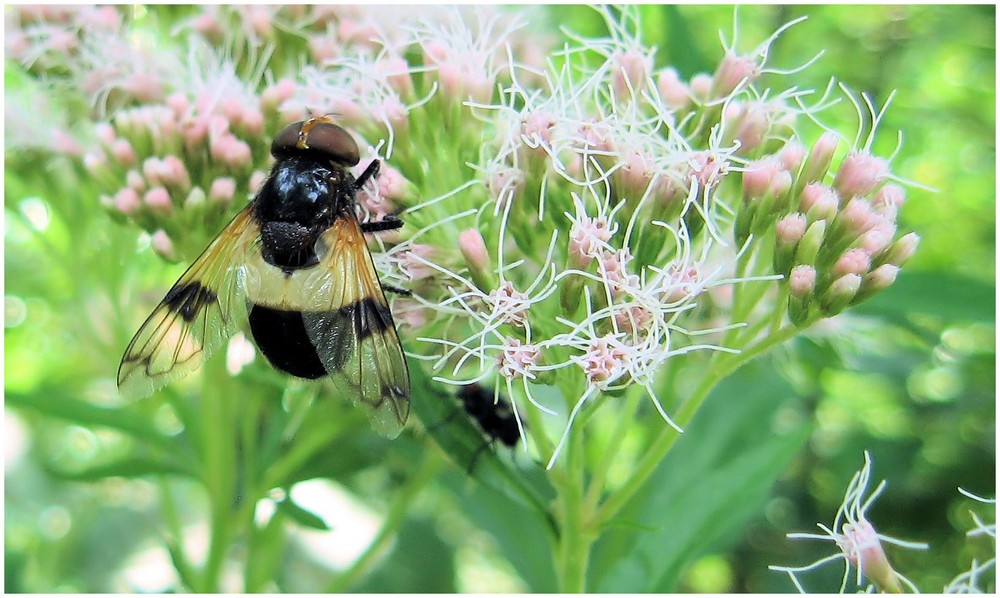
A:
[294,265]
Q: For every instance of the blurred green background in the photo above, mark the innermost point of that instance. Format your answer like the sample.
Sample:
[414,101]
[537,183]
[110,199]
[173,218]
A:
[916,390]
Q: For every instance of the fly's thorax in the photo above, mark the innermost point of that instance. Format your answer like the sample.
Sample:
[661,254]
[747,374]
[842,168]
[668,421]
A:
[300,200]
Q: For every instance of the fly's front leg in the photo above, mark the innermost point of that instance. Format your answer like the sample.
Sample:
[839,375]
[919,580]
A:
[369,173]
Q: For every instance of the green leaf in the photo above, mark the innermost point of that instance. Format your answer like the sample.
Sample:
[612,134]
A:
[520,531]
[420,562]
[132,467]
[714,479]
[951,297]
[265,552]
[463,442]
[301,516]
[56,402]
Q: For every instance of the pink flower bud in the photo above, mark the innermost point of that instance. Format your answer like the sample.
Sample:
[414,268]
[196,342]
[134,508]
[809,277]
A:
[239,354]
[881,277]
[758,176]
[820,157]
[708,167]
[734,71]
[840,293]
[674,92]
[537,128]
[127,201]
[324,47]
[863,549]
[232,109]
[701,87]
[222,190]
[802,280]
[792,155]
[162,245]
[587,239]
[791,228]
[604,360]
[175,173]
[505,182]
[95,162]
[123,153]
[888,200]
[477,257]
[614,267]
[629,71]
[257,179]
[356,31]
[252,121]
[277,94]
[66,144]
[858,216]
[878,238]
[178,102]
[152,169]
[415,268]
[105,133]
[753,128]
[135,181]
[780,184]
[144,87]
[903,249]
[195,132]
[397,73]
[860,173]
[637,171]
[157,199]
[195,199]
[435,52]
[208,25]
[853,261]
[391,184]
[819,202]
[259,20]
[517,360]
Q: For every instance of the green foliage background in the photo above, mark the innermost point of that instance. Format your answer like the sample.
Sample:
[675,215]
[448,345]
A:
[917,390]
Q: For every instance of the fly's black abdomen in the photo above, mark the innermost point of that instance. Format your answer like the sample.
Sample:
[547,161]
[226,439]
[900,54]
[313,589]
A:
[282,338]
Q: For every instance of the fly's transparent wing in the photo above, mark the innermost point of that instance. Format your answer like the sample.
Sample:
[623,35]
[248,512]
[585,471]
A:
[353,331]
[199,313]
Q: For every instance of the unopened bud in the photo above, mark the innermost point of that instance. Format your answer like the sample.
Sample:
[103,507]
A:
[903,249]
[811,241]
[820,158]
[859,174]
[162,245]
[840,294]
[477,257]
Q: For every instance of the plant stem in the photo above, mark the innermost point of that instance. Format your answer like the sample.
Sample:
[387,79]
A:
[219,462]
[576,537]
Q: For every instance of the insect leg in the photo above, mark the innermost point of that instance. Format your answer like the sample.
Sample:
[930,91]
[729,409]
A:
[369,173]
[387,223]
[475,456]
[398,291]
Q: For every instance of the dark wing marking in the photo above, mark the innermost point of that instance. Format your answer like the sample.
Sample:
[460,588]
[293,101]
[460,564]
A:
[199,313]
[353,331]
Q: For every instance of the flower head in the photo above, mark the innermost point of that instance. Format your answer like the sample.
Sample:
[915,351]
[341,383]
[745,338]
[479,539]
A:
[861,546]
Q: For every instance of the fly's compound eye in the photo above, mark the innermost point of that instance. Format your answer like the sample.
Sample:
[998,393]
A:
[317,135]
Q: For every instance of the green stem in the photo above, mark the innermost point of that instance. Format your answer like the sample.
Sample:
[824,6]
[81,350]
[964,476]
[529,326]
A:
[218,458]
[600,471]
[428,472]
[576,537]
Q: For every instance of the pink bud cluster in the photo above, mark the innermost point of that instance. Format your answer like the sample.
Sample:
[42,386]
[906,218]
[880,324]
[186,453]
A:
[843,235]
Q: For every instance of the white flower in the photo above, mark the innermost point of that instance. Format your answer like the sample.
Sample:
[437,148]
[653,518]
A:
[860,545]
